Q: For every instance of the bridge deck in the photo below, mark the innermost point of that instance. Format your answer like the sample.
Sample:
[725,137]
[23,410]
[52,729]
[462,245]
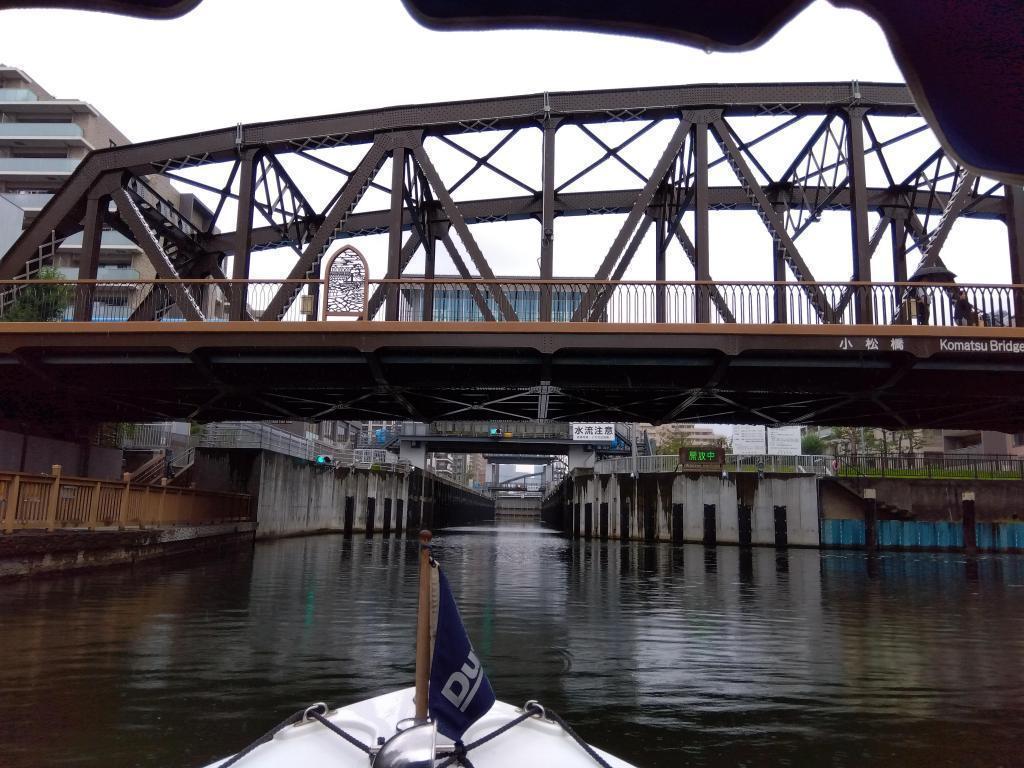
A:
[872,375]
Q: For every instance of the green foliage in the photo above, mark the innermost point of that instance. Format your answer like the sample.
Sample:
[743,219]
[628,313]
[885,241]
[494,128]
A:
[812,445]
[40,303]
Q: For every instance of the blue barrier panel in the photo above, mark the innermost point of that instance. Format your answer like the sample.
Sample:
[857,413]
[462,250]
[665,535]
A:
[986,536]
[855,532]
[910,534]
[1009,536]
[830,532]
[890,533]
[842,533]
[927,535]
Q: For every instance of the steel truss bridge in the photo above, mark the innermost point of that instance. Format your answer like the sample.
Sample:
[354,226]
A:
[478,345]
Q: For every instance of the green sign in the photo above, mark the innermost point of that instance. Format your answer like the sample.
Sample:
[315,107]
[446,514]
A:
[701,456]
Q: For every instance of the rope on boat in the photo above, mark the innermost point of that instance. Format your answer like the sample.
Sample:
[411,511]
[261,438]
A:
[458,758]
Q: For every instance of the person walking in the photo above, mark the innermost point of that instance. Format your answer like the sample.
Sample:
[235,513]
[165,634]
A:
[963,311]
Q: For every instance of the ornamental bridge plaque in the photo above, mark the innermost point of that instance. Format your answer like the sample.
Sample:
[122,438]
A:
[347,283]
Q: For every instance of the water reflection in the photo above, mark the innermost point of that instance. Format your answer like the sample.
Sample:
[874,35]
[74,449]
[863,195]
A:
[667,655]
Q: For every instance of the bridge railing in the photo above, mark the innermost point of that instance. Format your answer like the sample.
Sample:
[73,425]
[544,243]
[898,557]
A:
[946,466]
[54,501]
[953,467]
[804,464]
[527,300]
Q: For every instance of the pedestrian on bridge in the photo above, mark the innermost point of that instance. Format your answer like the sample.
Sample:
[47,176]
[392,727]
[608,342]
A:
[964,312]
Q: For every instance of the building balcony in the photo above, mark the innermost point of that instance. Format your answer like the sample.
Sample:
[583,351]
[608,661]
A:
[41,135]
[47,130]
[114,274]
[21,168]
[17,94]
[30,202]
[111,241]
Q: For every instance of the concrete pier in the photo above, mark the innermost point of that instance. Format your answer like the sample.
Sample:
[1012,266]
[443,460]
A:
[688,507]
[786,509]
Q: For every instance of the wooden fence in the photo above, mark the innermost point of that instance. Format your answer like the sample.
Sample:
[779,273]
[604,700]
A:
[49,502]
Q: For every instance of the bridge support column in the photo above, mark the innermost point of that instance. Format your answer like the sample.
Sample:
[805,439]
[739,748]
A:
[243,233]
[88,262]
[414,452]
[580,458]
[969,517]
[494,474]
[859,213]
[870,520]
[779,276]
[1015,230]
[701,208]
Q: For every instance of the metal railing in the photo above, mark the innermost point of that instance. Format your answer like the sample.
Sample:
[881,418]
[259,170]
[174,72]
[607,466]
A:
[457,301]
[805,464]
[976,467]
[145,437]
[50,502]
[953,467]
[266,437]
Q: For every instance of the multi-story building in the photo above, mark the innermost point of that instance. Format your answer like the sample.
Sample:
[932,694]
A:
[42,140]
[688,434]
[971,441]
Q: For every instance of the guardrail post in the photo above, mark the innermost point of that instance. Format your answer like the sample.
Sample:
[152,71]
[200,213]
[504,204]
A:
[160,504]
[94,507]
[870,520]
[11,505]
[970,531]
[143,507]
[53,498]
[122,509]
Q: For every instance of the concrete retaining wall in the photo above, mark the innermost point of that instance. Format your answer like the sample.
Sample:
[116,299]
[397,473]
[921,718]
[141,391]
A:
[923,499]
[35,553]
[689,507]
[294,496]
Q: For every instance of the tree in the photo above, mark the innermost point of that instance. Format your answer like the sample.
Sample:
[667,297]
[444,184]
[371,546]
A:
[672,446]
[812,445]
[39,303]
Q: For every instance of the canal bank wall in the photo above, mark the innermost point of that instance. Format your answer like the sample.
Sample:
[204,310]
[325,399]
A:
[41,553]
[777,510]
[788,509]
[294,496]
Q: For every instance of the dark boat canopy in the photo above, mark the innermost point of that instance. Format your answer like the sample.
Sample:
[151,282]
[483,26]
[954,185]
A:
[962,61]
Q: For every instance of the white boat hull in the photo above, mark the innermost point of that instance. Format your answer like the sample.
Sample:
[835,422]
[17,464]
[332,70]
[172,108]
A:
[534,742]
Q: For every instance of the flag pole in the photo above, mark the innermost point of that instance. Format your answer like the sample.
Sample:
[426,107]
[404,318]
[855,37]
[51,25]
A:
[423,628]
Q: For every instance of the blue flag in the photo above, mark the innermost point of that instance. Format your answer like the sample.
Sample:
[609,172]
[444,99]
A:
[460,693]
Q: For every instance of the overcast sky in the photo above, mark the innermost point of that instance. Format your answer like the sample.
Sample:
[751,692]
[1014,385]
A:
[229,62]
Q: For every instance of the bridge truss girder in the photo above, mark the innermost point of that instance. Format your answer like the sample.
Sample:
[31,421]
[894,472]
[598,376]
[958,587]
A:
[274,211]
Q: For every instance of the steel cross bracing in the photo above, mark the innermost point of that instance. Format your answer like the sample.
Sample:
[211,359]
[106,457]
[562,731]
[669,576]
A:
[808,157]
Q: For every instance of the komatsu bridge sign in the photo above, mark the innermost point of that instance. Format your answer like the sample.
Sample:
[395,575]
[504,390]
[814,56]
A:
[981,345]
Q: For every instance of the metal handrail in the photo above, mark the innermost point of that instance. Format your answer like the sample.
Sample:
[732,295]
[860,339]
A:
[575,300]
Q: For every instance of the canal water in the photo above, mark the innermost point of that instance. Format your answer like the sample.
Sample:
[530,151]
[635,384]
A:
[667,656]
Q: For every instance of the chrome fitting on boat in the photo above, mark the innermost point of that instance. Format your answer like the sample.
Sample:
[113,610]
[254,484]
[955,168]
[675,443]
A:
[412,748]
[320,707]
[536,709]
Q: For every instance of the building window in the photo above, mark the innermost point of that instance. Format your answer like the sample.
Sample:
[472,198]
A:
[1018,439]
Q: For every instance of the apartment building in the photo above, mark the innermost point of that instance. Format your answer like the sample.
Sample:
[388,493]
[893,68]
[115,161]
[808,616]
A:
[42,141]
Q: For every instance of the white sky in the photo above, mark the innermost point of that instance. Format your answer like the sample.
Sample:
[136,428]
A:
[232,61]
[229,62]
